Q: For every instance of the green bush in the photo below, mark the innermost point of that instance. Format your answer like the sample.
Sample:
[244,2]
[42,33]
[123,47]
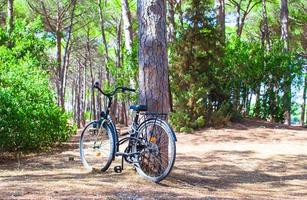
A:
[221,117]
[29,118]
[191,58]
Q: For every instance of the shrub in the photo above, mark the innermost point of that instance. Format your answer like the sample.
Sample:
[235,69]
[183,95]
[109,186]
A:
[29,118]
[221,117]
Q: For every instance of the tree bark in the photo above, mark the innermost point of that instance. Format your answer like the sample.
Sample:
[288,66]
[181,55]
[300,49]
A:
[104,39]
[266,33]
[153,63]
[171,21]
[258,103]
[89,58]
[220,17]
[303,113]
[10,15]
[127,25]
[284,21]
[242,13]
[59,67]
[83,98]
[78,97]
[66,57]
[179,10]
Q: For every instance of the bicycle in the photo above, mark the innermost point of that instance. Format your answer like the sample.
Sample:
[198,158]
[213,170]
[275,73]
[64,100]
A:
[151,142]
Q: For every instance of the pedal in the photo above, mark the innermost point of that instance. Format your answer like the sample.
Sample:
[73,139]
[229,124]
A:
[118,169]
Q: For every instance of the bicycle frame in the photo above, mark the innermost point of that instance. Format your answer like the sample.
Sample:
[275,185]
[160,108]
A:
[106,120]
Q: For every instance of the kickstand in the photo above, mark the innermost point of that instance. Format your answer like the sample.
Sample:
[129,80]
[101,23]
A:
[119,169]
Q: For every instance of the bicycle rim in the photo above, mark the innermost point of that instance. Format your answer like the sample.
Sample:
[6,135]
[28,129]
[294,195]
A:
[96,147]
[156,160]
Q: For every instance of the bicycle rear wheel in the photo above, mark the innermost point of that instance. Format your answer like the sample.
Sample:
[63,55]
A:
[158,151]
[97,146]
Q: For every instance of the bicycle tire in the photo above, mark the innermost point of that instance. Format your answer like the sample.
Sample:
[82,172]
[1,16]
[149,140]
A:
[97,146]
[149,174]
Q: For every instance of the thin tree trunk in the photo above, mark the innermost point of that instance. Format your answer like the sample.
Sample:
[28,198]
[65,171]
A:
[127,25]
[104,39]
[304,102]
[67,50]
[79,96]
[72,99]
[248,106]
[89,58]
[59,66]
[220,16]
[10,15]
[284,20]
[179,10]
[171,21]
[258,103]
[238,18]
[153,63]
[118,65]
[266,33]
[83,93]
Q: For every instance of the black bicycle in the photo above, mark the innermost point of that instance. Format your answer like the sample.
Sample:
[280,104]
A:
[151,142]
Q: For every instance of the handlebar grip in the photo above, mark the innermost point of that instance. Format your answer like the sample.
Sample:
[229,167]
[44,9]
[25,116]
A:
[129,89]
[96,85]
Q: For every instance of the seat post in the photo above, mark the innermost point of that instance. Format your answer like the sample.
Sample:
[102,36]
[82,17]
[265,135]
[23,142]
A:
[136,118]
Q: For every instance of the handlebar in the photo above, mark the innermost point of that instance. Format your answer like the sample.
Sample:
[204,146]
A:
[118,89]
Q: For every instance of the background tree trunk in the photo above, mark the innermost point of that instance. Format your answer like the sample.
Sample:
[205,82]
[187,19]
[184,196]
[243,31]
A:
[220,17]
[284,21]
[266,33]
[10,15]
[153,63]
[171,21]
[127,25]
[66,57]
[104,39]
[59,67]
[304,101]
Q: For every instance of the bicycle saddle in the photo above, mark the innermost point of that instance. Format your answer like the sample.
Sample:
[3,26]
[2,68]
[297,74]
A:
[138,108]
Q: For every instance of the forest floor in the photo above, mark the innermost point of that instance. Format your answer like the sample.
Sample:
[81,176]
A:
[251,160]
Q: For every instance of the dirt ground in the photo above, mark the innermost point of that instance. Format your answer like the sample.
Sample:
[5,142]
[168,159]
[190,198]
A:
[253,160]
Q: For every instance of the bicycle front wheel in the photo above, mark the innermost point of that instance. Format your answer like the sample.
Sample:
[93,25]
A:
[97,146]
[157,152]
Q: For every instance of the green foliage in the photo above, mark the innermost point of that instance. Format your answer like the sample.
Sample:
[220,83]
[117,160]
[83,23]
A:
[191,57]
[29,118]
[222,116]
[215,83]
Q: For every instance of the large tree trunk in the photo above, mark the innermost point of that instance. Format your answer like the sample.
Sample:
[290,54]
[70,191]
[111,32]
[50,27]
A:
[10,15]
[127,25]
[284,20]
[220,17]
[153,63]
